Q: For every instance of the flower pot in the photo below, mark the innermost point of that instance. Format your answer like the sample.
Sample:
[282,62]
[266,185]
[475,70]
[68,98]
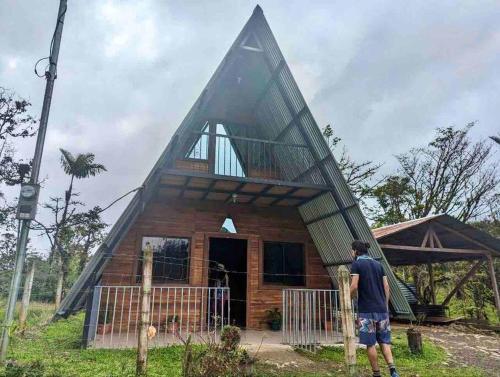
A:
[275,325]
[104,328]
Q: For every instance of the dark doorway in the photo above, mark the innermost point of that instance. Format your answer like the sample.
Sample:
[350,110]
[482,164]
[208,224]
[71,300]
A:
[232,254]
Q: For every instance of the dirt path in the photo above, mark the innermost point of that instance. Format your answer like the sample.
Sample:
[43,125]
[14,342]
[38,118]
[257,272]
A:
[468,347]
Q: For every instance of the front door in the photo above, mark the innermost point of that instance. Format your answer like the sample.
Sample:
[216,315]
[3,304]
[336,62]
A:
[228,266]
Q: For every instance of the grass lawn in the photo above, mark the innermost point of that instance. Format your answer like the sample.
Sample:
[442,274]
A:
[56,347]
[432,363]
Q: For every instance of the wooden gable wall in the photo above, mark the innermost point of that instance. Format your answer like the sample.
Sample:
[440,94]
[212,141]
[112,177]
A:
[198,221]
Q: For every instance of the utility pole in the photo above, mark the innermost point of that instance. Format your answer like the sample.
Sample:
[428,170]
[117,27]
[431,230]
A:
[22,240]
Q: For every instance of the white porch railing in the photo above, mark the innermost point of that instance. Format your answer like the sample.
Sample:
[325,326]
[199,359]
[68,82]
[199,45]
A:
[311,317]
[176,313]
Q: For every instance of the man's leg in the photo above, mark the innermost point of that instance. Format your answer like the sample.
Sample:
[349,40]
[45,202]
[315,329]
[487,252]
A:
[384,340]
[372,357]
[367,336]
[387,352]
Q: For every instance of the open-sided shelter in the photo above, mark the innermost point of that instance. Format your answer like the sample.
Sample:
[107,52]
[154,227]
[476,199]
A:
[250,156]
[439,239]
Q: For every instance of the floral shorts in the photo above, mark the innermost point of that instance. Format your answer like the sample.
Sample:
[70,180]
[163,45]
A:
[374,328]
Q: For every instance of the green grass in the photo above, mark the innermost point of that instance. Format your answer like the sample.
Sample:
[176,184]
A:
[432,363]
[57,347]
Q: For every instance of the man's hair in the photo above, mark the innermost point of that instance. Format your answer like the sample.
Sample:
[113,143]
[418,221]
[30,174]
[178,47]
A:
[360,247]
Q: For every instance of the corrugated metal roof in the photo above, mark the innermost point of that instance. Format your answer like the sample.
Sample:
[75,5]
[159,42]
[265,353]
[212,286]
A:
[446,220]
[333,219]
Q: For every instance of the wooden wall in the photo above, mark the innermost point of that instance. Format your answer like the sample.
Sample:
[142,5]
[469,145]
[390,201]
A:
[200,220]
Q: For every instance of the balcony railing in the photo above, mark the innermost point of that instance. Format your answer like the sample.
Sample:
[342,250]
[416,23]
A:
[251,158]
[176,313]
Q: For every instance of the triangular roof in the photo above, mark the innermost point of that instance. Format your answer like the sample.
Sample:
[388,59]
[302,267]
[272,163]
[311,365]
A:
[408,243]
[254,85]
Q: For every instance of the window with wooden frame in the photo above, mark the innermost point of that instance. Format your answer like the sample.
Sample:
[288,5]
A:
[170,259]
[284,263]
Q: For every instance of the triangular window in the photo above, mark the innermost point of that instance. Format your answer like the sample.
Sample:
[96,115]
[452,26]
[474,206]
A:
[228,226]
[251,42]
[227,161]
[199,151]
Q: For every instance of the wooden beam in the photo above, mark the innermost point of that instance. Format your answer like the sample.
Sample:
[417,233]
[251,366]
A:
[426,238]
[462,281]
[290,124]
[272,79]
[431,283]
[212,129]
[436,238]
[311,168]
[467,238]
[434,249]
[330,214]
[494,285]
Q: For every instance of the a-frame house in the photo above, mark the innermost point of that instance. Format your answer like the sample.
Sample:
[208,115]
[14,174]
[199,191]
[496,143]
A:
[248,155]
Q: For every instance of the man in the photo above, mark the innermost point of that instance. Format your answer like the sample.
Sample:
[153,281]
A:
[370,282]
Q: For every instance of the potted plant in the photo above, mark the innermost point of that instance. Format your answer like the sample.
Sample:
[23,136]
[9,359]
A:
[173,323]
[104,324]
[274,319]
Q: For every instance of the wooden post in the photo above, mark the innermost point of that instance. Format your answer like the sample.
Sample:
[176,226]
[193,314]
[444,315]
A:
[494,284]
[431,283]
[212,140]
[59,286]
[462,281]
[28,284]
[347,320]
[142,342]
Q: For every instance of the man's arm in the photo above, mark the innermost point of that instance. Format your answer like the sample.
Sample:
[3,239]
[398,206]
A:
[387,291]
[354,284]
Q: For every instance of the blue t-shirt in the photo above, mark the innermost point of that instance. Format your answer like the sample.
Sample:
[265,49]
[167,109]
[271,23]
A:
[371,294]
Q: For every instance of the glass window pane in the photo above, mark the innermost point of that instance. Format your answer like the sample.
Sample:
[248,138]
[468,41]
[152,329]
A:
[284,263]
[273,262]
[170,259]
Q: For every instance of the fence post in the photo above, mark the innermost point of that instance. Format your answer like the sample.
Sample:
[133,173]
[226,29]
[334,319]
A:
[28,284]
[347,321]
[142,343]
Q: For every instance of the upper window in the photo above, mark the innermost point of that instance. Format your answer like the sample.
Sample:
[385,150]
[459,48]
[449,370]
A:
[170,259]
[284,263]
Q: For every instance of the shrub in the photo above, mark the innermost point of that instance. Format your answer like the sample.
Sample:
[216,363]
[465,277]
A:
[34,369]
[230,337]
[217,360]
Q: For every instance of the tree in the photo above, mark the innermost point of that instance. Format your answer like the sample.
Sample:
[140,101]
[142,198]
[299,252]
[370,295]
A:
[452,175]
[65,217]
[496,139]
[358,175]
[15,123]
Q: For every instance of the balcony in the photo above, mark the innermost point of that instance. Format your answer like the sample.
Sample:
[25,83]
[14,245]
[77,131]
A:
[244,170]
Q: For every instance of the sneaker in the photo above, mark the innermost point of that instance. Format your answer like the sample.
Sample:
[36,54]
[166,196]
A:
[394,374]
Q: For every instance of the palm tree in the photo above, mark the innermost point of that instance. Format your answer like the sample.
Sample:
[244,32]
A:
[79,167]
[495,139]
[82,166]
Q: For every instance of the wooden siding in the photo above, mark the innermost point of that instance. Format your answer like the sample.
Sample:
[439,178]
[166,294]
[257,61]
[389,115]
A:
[200,220]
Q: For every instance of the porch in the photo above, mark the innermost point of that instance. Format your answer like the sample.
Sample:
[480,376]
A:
[310,317]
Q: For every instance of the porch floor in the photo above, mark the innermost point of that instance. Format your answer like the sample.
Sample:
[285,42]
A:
[249,339]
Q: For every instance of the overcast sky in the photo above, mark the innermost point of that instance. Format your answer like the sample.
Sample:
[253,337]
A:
[385,74]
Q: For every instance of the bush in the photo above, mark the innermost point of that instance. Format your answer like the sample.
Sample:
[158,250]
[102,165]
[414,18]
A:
[34,369]
[217,360]
[230,337]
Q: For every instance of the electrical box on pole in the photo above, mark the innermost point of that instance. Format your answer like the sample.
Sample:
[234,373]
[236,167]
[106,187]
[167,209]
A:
[28,199]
